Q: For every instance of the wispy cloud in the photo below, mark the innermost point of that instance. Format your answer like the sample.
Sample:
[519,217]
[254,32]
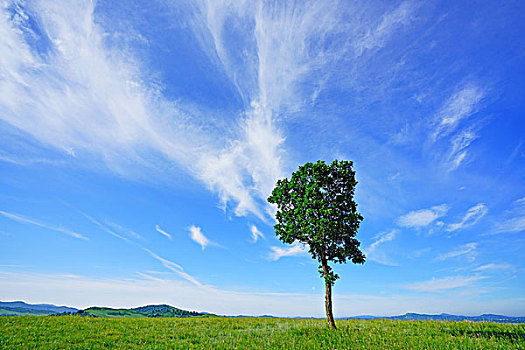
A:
[77,77]
[197,236]
[14,159]
[516,224]
[419,252]
[295,249]
[461,105]
[513,220]
[256,233]
[91,99]
[472,216]
[458,151]
[170,265]
[86,96]
[162,232]
[167,263]
[105,228]
[457,160]
[422,217]
[494,266]
[515,153]
[456,111]
[273,63]
[375,38]
[467,251]
[25,220]
[444,283]
[117,227]
[374,254]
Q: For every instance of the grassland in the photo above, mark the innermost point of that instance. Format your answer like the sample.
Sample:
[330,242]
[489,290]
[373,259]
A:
[75,332]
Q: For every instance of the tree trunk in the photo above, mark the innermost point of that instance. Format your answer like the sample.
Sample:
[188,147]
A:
[328,297]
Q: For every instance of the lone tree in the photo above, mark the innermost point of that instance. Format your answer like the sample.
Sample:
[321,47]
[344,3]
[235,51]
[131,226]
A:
[316,207]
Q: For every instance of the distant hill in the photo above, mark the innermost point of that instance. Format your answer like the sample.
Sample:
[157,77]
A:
[141,312]
[109,312]
[19,311]
[168,311]
[447,317]
[18,308]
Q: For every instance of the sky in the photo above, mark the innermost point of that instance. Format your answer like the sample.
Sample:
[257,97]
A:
[139,141]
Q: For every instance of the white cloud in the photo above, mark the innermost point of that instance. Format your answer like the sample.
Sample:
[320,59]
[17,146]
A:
[514,220]
[162,232]
[457,110]
[444,283]
[457,160]
[423,217]
[173,267]
[256,233]
[376,37]
[468,251]
[170,265]
[493,266]
[472,216]
[296,249]
[458,151]
[458,107]
[515,153]
[25,220]
[106,229]
[92,99]
[117,227]
[199,237]
[271,66]
[268,67]
[86,97]
[394,176]
[80,96]
[516,224]
[374,254]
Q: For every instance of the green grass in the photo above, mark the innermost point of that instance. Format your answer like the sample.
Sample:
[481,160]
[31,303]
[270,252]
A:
[74,332]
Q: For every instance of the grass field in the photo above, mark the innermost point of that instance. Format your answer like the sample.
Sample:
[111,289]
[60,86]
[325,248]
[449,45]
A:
[70,332]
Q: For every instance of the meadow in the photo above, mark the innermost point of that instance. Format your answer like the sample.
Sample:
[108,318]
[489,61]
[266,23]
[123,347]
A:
[75,332]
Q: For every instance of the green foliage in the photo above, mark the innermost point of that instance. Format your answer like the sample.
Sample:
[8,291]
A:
[108,312]
[316,207]
[70,332]
[167,311]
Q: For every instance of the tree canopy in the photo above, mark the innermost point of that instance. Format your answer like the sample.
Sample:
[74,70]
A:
[316,207]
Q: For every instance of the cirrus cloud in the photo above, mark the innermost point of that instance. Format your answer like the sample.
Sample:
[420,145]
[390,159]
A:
[472,216]
[297,249]
[422,217]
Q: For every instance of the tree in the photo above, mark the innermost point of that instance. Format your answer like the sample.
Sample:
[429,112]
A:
[316,207]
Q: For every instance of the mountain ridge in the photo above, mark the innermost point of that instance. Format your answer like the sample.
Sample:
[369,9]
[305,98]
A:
[19,308]
[46,309]
[412,316]
[161,310]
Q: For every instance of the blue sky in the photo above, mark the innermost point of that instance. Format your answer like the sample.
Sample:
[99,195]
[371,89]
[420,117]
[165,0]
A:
[140,140]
